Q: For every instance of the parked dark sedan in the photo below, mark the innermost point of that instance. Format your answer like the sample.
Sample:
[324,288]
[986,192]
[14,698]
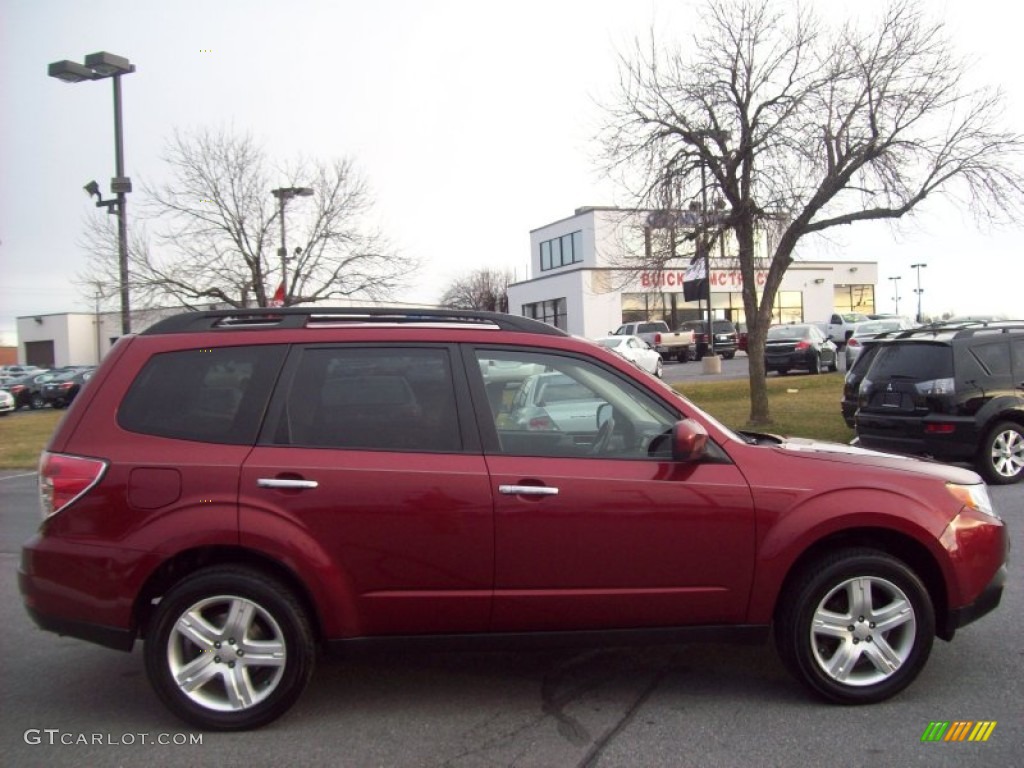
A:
[27,390]
[801,346]
[62,389]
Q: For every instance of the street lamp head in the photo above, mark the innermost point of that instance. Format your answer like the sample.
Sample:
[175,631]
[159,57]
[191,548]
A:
[287,193]
[93,190]
[108,64]
[70,71]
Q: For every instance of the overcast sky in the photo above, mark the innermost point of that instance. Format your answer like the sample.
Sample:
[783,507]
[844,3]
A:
[472,120]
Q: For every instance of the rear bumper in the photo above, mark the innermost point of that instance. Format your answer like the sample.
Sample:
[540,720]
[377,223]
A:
[110,637]
[907,435]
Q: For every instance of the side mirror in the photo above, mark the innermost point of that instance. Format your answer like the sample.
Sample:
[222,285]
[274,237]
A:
[689,441]
[604,413]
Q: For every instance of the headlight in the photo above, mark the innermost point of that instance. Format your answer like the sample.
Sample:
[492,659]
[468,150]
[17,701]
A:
[973,496]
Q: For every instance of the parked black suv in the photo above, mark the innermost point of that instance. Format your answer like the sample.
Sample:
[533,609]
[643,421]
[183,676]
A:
[953,392]
[726,337]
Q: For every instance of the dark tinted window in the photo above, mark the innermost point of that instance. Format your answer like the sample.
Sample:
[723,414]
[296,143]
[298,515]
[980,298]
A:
[994,358]
[379,399]
[1018,361]
[210,395]
[913,362]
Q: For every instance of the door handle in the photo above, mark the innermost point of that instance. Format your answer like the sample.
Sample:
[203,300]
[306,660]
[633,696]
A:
[275,482]
[527,490]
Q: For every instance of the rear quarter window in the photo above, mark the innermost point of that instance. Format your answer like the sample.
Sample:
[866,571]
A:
[208,395]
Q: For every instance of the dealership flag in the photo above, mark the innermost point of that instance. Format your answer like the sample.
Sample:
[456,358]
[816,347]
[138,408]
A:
[695,281]
[278,300]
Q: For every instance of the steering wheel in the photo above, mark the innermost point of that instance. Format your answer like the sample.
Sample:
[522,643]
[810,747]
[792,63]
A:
[603,437]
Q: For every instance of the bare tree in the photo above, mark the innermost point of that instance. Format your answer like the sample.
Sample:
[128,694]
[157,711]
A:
[218,230]
[485,289]
[798,128]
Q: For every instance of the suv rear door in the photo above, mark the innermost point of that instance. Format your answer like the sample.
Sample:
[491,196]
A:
[368,472]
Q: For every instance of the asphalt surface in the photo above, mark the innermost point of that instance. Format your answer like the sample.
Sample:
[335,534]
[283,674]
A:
[66,702]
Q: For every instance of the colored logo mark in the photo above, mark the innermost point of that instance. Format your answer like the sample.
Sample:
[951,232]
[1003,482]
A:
[959,730]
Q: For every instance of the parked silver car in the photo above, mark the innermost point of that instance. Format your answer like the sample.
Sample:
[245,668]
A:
[869,330]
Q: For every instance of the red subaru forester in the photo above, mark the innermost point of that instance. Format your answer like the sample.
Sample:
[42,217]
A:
[242,488]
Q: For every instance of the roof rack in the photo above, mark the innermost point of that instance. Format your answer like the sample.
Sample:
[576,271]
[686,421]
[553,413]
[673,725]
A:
[959,329]
[280,318]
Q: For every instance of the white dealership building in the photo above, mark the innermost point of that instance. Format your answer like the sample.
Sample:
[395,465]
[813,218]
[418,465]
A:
[584,279]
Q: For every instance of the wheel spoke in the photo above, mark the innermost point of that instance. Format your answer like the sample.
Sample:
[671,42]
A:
[830,624]
[881,654]
[241,693]
[859,593]
[197,673]
[843,661]
[894,614]
[264,653]
[192,626]
[239,619]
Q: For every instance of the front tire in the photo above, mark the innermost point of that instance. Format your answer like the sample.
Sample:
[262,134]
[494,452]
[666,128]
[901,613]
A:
[856,627]
[1001,457]
[229,648]
[659,368]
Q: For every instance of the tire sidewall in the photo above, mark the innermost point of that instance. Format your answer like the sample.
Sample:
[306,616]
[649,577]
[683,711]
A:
[795,629]
[270,596]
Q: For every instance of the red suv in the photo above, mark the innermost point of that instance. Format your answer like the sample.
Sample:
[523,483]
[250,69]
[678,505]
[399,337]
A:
[242,488]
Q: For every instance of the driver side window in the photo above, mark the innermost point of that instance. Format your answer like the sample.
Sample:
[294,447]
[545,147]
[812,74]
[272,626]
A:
[561,406]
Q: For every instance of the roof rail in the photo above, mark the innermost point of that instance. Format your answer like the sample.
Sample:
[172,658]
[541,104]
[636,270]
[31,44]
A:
[959,329]
[279,318]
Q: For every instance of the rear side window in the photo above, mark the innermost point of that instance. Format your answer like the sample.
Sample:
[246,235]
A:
[994,358]
[210,395]
[913,362]
[387,399]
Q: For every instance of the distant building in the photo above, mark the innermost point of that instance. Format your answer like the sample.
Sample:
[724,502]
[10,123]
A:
[580,279]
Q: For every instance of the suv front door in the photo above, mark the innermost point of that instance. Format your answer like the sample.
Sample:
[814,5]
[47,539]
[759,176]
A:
[603,530]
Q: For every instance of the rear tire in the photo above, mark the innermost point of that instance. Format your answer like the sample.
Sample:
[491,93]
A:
[1001,456]
[229,648]
[815,366]
[658,368]
[856,626]
[36,402]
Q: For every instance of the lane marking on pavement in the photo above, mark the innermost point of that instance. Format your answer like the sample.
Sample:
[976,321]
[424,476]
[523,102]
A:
[15,477]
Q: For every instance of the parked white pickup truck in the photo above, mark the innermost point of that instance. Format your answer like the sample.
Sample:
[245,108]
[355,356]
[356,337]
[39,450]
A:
[670,345]
[840,326]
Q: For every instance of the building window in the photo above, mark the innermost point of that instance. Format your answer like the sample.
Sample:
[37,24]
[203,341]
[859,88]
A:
[854,298]
[553,312]
[561,251]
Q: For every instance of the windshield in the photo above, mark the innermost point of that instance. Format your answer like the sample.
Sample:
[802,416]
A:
[610,343]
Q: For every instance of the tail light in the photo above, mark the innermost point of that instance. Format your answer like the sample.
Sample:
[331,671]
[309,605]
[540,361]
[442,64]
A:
[657,338]
[16,389]
[803,345]
[939,429]
[541,423]
[63,479]
[853,342]
[67,385]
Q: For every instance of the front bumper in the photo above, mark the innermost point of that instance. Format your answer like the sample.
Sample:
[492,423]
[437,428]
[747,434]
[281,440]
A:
[985,603]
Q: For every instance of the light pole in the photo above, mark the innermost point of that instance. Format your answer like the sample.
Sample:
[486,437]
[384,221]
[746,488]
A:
[283,195]
[97,67]
[919,290]
[896,292]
